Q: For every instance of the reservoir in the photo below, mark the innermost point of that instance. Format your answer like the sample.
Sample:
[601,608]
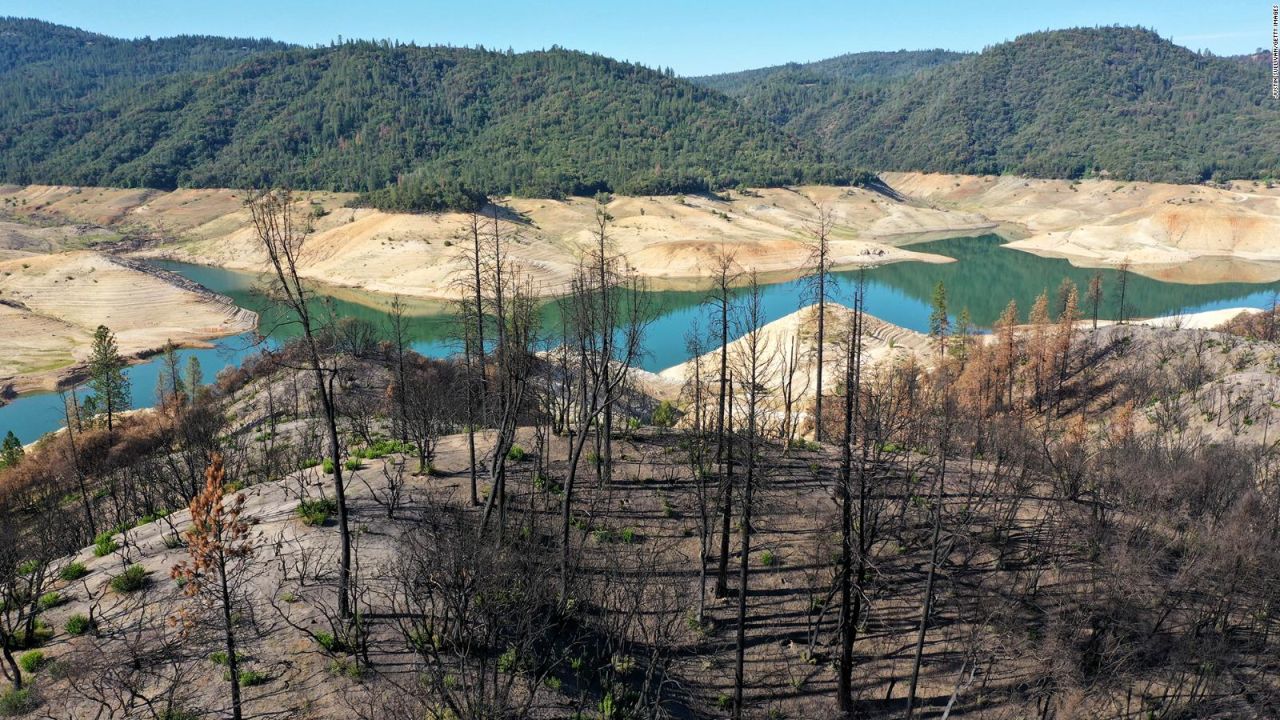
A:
[984,278]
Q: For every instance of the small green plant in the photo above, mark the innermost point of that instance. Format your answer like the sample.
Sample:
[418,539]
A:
[105,544]
[345,667]
[664,416]
[51,599]
[78,624]
[768,559]
[509,661]
[151,517]
[317,511]
[74,571]
[308,463]
[516,453]
[220,657]
[329,641]
[723,701]
[249,678]
[32,661]
[39,635]
[133,579]
[353,464]
[16,702]
[628,535]
[290,597]
[327,466]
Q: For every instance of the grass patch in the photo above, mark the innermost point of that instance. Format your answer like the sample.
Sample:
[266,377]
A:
[16,702]
[516,453]
[32,661]
[50,599]
[73,572]
[316,512]
[220,657]
[768,559]
[78,624]
[250,678]
[345,667]
[329,641]
[133,579]
[105,544]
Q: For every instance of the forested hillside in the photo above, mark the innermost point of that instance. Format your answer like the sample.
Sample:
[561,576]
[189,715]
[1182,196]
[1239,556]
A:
[1064,103]
[359,116]
[428,128]
[47,69]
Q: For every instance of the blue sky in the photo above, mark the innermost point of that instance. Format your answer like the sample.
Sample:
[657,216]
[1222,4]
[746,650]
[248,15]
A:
[691,37]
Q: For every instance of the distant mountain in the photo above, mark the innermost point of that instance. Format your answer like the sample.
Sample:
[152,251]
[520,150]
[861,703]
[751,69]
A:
[423,128]
[1063,103]
[362,116]
[47,68]
[853,67]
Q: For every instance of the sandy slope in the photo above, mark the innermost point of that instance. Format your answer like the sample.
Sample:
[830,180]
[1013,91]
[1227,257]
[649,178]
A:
[51,305]
[882,343]
[1183,233]
[671,240]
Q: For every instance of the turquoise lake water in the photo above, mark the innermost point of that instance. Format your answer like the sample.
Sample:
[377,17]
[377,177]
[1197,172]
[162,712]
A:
[983,279]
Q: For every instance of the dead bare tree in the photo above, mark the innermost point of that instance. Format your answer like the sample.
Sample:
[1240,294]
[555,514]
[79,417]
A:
[284,240]
[820,264]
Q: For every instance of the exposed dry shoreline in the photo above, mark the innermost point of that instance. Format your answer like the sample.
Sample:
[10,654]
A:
[1178,233]
[51,304]
[1188,234]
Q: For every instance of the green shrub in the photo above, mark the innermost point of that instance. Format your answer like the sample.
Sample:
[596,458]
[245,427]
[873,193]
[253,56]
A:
[327,466]
[16,702]
[73,571]
[179,714]
[32,661]
[151,517]
[78,624]
[105,544]
[41,634]
[249,678]
[767,558]
[134,578]
[516,453]
[329,641]
[220,657]
[628,535]
[353,464]
[308,463]
[50,599]
[344,667]
[664,415]
[317,511]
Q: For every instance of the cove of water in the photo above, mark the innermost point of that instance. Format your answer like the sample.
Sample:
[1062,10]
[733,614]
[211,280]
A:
[983,279]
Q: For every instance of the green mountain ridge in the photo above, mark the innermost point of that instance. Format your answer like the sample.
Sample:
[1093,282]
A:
[1114,101]
[427,128]
[361,116]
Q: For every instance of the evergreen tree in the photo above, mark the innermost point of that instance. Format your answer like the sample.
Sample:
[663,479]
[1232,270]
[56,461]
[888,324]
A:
[107,378]
[10,450]
[939,324]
